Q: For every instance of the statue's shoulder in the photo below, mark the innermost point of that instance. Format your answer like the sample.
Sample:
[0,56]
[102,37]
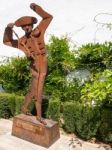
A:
[36,32]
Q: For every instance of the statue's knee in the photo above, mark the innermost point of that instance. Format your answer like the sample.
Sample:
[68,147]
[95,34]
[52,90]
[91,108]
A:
[38,102]
[42,75]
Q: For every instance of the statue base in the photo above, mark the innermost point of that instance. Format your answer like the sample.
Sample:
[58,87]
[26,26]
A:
[28,128]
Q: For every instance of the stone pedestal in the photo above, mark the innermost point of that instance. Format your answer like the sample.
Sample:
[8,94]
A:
[28,128]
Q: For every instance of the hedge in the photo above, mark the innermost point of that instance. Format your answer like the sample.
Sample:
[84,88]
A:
[53,111]
[10,105]
[19,103]
[69,115]
[7,105]
[105,130]
[81,120]
[85,121]
[88,123]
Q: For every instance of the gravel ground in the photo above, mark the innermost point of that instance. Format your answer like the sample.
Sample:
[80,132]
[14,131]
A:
[66,142]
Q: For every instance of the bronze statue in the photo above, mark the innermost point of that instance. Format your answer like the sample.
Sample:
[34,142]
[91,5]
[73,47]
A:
[33,45]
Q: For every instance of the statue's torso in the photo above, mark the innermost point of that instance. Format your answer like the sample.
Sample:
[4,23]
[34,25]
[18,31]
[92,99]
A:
[34,43]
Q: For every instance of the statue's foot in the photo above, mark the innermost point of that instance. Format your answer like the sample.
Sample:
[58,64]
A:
[41,120]
[26,111]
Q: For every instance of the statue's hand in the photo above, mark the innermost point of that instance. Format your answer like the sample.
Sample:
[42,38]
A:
[32,6]
[10,25]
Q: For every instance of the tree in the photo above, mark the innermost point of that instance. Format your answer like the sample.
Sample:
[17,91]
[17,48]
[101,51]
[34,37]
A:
[61,61]
[95,57]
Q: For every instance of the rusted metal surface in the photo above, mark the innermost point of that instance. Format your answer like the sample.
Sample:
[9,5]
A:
[33,45]
[30,129]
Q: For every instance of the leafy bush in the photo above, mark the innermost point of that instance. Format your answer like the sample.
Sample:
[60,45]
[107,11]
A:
[10,105]
[7,105]
[99,89]
[18,102]
[53,111]
[15,76]
[105,129]
[45,104]
[95,57]
[69,115]
[60,63]
[72,91]
[80,119]
[88,122]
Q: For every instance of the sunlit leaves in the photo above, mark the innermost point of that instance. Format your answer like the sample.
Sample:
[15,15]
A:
[99,89]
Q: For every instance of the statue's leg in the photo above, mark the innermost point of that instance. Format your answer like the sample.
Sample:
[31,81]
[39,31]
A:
[29,97]
[42,69]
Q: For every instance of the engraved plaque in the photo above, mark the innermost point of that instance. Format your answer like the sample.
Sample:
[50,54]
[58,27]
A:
[24,125]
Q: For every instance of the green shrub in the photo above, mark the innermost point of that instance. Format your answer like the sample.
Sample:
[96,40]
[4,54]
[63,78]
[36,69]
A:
[98,89]
[88,122]
[45,104]
[53,111]
[81,120]
[11,104]
[19,102]
[105,130]
[70,111]
[7,105]
[15,75]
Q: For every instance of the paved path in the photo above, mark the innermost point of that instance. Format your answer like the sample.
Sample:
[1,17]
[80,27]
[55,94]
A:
[9,142]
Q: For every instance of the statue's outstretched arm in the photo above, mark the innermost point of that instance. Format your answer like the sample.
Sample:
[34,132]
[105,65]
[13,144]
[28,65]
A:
[8,36]
[46,17]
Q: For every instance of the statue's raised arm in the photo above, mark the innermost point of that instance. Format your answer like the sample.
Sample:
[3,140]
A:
[8,36]
[46,17]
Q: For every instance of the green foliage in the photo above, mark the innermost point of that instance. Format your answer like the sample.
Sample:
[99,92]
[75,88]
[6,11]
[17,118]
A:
[14,75]
[7,105]
[88,122]
[71,110]
[95,57]
[45,104]
[10,105]
[80,119]
[99,89]
[53,111]
[105,129]
[72,91]
[60,63]
[18,104]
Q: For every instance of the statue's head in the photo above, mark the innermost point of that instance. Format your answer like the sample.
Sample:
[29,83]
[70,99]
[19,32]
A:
[26,23]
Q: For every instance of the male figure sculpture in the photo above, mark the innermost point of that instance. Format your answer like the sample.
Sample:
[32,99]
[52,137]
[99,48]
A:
[33,45]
